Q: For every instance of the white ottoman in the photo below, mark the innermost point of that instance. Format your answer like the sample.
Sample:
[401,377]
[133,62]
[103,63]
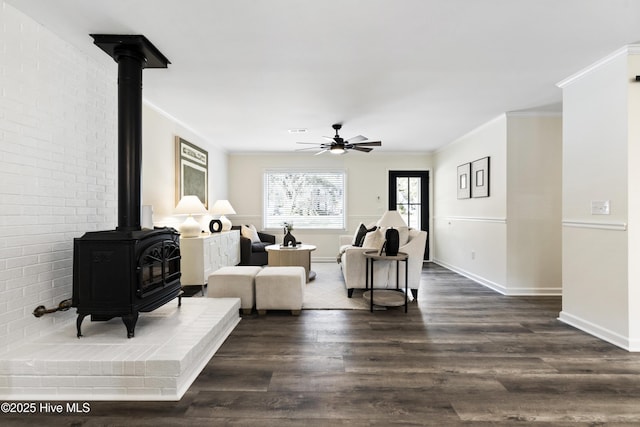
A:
[234,282]
[280,288]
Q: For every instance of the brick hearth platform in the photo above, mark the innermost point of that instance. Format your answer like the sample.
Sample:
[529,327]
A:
[171,347]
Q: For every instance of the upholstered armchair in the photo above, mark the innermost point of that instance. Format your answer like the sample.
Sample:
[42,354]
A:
[353,264]
[252,246]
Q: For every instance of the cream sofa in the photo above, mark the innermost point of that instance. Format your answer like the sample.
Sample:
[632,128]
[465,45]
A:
[353,264]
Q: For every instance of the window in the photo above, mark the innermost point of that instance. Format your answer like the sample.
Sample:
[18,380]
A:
[307,199]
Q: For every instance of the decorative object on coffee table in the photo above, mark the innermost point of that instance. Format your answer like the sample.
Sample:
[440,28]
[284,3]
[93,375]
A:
[289,240]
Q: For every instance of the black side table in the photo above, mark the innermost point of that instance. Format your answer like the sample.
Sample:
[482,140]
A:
[371,257]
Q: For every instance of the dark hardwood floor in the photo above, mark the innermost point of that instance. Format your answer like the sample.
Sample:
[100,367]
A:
[463,355]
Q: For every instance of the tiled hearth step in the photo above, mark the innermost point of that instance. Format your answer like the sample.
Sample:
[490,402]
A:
[171,346]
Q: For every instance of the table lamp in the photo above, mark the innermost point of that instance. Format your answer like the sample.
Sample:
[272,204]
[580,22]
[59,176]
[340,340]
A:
[391,219]
[222,208]
[190,205]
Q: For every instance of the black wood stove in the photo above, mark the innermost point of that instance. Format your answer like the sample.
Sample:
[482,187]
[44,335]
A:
[121,272]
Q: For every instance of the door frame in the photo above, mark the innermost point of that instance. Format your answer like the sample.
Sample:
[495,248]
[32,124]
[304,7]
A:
[424,197]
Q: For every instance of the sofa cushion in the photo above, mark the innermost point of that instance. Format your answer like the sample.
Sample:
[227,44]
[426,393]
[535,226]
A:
[259,246]
[404,235]
[250,232]
[374,240]
[361,232]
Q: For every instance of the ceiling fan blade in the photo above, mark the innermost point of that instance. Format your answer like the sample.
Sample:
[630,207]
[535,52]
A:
[311,143]
[309,148]
[358,138]
[322,151]
[368,144]
[330,138]
[364,149]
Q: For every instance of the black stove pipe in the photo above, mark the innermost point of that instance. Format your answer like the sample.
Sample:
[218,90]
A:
[130,64]
[133,53]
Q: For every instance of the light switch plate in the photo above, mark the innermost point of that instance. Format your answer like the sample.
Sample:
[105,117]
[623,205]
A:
[600,207]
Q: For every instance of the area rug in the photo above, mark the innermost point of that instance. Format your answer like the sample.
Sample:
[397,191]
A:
[328,292]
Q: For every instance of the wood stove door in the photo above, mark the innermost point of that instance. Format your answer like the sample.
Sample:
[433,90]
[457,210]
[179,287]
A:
[159,267]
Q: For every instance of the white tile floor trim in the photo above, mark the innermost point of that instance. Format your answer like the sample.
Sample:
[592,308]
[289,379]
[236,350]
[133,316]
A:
[171,347]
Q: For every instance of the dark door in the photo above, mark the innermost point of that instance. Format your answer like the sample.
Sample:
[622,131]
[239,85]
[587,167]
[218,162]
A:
[409,195]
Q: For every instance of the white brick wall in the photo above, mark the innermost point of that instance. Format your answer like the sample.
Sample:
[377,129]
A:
[58,146]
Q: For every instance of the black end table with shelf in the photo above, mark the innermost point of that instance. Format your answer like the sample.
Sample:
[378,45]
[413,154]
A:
[391,296]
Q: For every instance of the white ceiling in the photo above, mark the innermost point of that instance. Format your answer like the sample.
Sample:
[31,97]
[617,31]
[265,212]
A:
[416,74]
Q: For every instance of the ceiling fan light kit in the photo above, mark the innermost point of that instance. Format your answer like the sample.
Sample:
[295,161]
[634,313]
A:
[338,145]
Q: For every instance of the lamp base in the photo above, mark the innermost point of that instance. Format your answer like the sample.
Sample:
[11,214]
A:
[226,224]
[190,227]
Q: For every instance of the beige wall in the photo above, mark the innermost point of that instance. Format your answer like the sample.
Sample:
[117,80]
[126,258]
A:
[510,241]
[367,188]
[534,203]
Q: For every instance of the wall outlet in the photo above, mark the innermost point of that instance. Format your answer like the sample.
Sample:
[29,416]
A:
[599,207]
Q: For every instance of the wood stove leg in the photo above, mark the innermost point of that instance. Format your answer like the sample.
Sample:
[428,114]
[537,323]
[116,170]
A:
[79,320]
[130,322]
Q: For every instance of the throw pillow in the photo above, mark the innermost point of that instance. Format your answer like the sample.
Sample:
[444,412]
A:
[361,233]
[354,241]
[373,240]
[250,233]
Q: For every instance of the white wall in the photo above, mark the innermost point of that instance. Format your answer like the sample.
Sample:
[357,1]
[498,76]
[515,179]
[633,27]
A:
[158,166]
[58,143]
[367,188]
[58,169]
[510,241]
[600,155]
[469,235]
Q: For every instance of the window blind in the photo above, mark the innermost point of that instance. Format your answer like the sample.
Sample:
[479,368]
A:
[305,199]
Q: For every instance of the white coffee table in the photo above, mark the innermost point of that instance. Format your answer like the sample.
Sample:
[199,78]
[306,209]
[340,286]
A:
[287,256]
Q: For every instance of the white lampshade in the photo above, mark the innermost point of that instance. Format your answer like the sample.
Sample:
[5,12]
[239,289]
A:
[222,208]
[190,205]
[391,219]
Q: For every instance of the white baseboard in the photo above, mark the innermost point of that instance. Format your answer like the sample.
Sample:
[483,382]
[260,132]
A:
[537,291]
[598,331]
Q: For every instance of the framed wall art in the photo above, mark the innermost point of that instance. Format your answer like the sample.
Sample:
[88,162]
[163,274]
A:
[464,181]
[480,178]
[192,170]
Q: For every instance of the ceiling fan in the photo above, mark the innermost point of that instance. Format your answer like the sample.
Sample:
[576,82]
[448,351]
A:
[339,145]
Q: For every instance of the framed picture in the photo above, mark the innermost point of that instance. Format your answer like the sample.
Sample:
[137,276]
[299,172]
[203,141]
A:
[464,181]
[480,178]
[192,170]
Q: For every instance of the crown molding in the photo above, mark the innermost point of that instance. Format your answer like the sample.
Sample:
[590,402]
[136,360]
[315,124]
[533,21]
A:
[534,114]
[632,49]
